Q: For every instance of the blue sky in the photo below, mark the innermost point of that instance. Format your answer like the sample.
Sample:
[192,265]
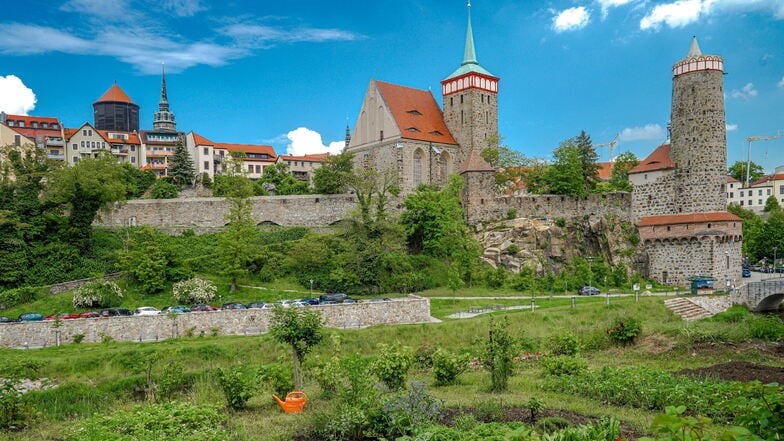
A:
[290,73]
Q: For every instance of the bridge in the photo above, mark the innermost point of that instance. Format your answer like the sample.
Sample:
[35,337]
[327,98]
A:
[766,295]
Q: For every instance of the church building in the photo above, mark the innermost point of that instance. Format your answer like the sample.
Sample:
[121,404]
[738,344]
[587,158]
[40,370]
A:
[403,131]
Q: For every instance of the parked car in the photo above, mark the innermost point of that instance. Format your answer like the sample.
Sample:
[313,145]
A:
[286,303]
[259,305]
[203,308]
[310,301]
[336,297]
[379,299]
[746,273]
[4,319]
[350,300]
[116,312]
[178,309]
[588,291]
[233,305]
[63,316]
[30,317]
[147,310]
[89,314]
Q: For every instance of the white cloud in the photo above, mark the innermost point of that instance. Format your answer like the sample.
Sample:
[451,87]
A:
[307,142]
[731,127]
[746,92]
[607,4]
[571,19]
[15,97]
[184,8]
[680,13]
[648,131]
[781,83]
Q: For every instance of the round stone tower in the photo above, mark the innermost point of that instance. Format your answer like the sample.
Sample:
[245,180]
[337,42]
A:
[699,134]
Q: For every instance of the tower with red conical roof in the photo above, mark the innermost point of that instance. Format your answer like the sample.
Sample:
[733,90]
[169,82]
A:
[116,111]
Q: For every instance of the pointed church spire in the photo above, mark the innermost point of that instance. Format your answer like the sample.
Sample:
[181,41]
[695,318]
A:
[470,54]
[348,136]
[164,118]
[694,50]
[164,98]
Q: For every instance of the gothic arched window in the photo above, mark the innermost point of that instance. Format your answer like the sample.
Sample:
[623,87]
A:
[417,172]
[443,165]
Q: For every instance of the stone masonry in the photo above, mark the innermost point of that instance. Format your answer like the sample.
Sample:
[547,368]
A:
[412,309]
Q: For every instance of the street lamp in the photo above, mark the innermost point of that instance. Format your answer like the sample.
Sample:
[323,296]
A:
[776,248]
[590,272]
[311,287]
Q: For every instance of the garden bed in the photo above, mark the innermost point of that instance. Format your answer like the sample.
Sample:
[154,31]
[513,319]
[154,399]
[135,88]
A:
[738,371]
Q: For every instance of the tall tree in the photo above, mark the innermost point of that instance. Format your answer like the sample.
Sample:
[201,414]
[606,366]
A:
[85,188]
[771,204]
[181,167]
[509,163]
[278,175]
[588,158]
[565,175]
[738,171]
[619,180]
[334,174]
[236,246]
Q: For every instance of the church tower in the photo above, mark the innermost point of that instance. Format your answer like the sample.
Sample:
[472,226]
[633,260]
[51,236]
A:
[699,134]
[164,119]
[470,101]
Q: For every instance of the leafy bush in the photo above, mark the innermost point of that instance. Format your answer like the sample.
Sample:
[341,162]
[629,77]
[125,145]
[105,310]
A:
[564,343]
[499,352]
[278,377]
[625,331]
[172,381]
[162,189]
[392,365]
[327,375]
[194,290]
[489,411]
[423,357]
[171,421]
[768,328]
[446,367]
[760,409]
[410,411]
[552,424]
[15,413]
[735,314]
[238,386]
[19,296]
[511,213]
[563,365]
[98,294]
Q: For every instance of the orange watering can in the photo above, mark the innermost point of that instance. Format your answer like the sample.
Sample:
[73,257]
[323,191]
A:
[295,402]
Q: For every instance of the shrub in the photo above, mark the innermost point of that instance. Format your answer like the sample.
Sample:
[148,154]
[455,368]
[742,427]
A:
[327,375]
[625,331]
[392,365]
[496,278]
[278,377]
[172,421]
[735,314]
[534,406]
[18,296]
[766,328]
[77,338]
[194,290]
[164,190]
[760,410]
[498,354]
[552,424]
[465,422]
[565,343]
[511,213]
[489,411]
[562,365]
[560,222]
[446,367]
[15,413]
[98,294]
[238,386]
[423,357]
[410,410]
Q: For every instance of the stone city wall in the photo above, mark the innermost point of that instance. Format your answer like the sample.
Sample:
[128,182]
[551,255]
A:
[412,309]
[296,210]
[550,206]
[674,261]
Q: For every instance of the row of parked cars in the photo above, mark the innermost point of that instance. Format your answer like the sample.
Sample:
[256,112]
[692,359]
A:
[325,299]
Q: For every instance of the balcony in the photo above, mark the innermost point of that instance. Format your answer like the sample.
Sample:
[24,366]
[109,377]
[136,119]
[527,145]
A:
[158,153]
[55,142]
[121,152]
[57,157]
[158,165]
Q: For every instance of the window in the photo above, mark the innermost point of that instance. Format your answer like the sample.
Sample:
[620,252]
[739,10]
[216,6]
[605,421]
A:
[417,178]
[461,99]
[206,165]
[250,169]
[781,189]
[731,195]
[54,152]
[741,193]
[55,126]
[133,148]
[381,135]
[89,133]
[133,159]
[749,202]
[759,201]
[75,159]
[21,124]
[17,140]
[741,203]
[34,124]
[75,146]
[258,169]
[759,192]
[84,132]
[769,191]
[413,129]
[10,123]
[414,112]
[206,150]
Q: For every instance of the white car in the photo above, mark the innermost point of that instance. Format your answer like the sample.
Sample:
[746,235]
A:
[147,310]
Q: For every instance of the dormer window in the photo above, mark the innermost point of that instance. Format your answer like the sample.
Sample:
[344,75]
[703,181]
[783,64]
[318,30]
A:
[413,130]
[437,133]
[414,112]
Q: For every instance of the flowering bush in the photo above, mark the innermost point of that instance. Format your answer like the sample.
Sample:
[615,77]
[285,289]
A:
[625,331]
[195,290]
[100,294]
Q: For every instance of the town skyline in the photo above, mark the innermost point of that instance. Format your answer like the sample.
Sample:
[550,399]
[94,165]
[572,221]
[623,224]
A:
[293,75]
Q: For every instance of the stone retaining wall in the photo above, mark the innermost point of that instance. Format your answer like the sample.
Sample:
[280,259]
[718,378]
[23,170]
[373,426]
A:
[59,288]
[479,209]
[29,335]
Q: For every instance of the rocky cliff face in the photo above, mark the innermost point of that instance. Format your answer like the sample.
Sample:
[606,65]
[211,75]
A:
[545,244]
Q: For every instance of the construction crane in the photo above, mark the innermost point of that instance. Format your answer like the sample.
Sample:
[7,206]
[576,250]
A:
[749,140]
[610,144]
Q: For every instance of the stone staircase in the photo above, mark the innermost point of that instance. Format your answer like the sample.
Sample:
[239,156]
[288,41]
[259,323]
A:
[686,309]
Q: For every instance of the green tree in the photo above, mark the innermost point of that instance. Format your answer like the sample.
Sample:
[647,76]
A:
[499,352]
[509,163]
[181,167]
[236,247]
[334,174]
[83,189]
[565,175]
[619,180]
[753,232]
[279,176]
[163,189]
[233,182]
[136,181]
[738,171]
[771,204]
[588,164]
[300,328]
[148,260]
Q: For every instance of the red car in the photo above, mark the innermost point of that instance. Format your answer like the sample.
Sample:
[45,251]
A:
[89,314]
[203,308]
[63,316]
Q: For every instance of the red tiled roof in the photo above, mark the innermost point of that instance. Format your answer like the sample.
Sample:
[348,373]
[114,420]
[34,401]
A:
[33,132]
[248,148]
[69,133]
[731,179]
[475,163]
[693,218]
[133,138]
[319,157]
[200,140]
[416,113]
[605,170]
[28,119]
[658,160]
[768,178]
[115,94]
